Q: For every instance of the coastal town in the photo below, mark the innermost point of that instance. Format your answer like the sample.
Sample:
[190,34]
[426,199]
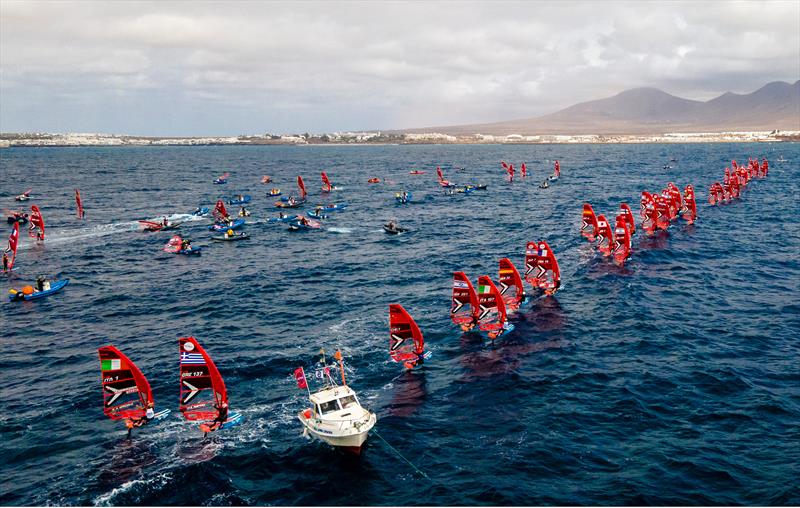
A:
[378,137]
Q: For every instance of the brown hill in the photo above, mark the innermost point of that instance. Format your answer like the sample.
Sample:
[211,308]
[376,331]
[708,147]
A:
[652,111]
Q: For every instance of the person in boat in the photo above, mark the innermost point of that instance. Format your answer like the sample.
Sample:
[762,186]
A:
[222,416]
[243,212]
[318,210]
[391,225]
[229,233]
[186,244]
[42,284]
[241,198]
[281,215]
[165,222]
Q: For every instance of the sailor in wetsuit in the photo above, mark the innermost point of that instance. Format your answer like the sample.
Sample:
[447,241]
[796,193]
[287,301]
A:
[222,415]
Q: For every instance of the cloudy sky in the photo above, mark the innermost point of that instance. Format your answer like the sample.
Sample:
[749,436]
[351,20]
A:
[226,68]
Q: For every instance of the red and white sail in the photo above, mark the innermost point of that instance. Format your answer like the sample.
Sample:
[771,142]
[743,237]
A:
[464,309]
[589,224]
[662,212]
[541,267]
[406,344]
[689,210]
[605,237]
[126,391]
[326,183]
[622,240]
[201,385]
[302,186]
[36,223]
[13,242]
[492,309]
[510,285]
[78,204]
[626,212]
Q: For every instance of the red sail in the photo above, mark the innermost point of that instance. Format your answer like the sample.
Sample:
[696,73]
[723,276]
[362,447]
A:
[302,187]
[510,171]
[675,196]
[220,212]
[689,205]
[326,183]
[622,240]
[672,210]
[557,169]
[764,168]
[201,385]
[78,203]
[605,237]
[510,284]
[589,226]
[647,201]
[544,272]
[13,241]
[406,344]
[36,222]
[625,210]
[464,310]
[440,176]
[662,212]
[126,391]
[523,170]
[492,309]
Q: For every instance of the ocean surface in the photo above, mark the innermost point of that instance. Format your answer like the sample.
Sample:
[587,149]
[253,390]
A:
[673,380]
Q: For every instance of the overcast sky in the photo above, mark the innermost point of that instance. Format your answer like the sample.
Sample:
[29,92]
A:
[227,68]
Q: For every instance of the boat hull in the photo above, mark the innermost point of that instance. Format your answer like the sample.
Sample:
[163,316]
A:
[350,440]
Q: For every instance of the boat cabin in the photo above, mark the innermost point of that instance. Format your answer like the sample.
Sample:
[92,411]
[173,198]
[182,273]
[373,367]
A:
[335,402]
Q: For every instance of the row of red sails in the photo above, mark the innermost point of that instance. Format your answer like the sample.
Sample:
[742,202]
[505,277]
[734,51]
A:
[486,308]
[735,180]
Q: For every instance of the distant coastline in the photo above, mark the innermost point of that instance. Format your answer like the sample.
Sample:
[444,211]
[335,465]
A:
[380,138]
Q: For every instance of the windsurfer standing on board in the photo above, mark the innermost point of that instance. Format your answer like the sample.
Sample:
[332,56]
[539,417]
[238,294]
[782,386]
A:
[5,260]
[222,415]
[149,414]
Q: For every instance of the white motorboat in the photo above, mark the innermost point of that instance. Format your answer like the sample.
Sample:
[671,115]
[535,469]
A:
[336,416]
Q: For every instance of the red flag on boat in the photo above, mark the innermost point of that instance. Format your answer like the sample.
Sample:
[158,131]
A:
[300,377]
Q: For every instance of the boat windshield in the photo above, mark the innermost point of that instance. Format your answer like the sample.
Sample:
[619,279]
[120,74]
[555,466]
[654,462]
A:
[348,401]
[328,407]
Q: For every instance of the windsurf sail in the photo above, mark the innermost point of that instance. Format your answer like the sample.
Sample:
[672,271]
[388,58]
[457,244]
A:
[727,177]
[326,183]
[589,225]
[464,310]
[492,309]
[79,203]
[625,210]
[605,237]
[523,170]
[662,215]
[510,285]
[510,171]
[764,168]
[406,344]
[126,391]
[302,187]
[174,244]
[440,176]
[13,241]
[36,222]
[622,240]
[557,169]
[675,196]
[689,205]
[201,385]
[220,212]
[544,271]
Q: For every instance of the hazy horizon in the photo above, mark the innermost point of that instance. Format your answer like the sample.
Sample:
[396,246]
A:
[162,69]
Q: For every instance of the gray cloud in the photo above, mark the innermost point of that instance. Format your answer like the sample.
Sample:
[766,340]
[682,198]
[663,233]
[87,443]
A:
[235,67]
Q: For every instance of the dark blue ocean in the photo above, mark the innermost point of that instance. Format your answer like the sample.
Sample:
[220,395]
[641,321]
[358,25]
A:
[673,381]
